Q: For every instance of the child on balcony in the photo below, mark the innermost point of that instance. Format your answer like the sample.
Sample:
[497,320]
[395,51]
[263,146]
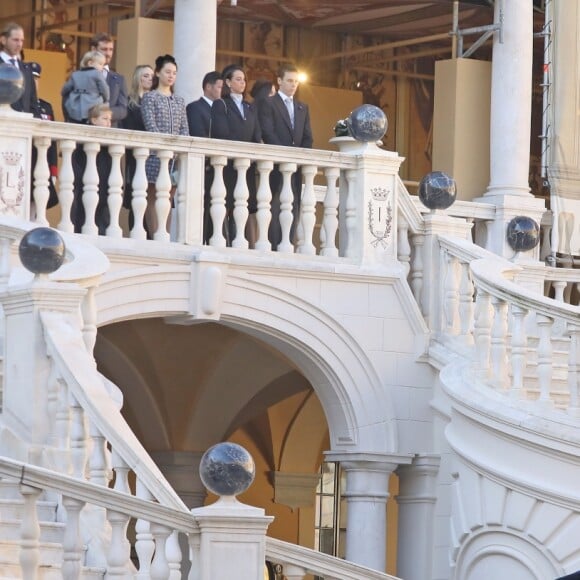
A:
[99,116]
[85,88]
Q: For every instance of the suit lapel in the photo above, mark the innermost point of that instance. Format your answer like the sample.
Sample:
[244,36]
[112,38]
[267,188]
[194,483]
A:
[284,112]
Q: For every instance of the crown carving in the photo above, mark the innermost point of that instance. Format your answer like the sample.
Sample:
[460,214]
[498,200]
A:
[12,158]
[380,193]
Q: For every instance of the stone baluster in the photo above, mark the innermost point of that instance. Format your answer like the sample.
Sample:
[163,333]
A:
[218,202]
[499,343]
[90,197]
[559,289]
[121,470]
[194,540]
[119,549]
[466,304]
[115,197]
[403,246]
[574,371]
[89,314]
[544,372]
[330,217]
[545,245]
[99,468]
[65,185]
[482,330]
[308,211]
[52,390]
[174,556]
[417,270]
[144,544]
[451,293]
[41,180]
[78,438]
[5,267]
[286,198]
[160,566]
[292,572]
[162,195]
[181,196]
[264,198]
[72,543]
[29,531]
[241,202]
[519,349]
[62,427]
[139,199]
[350,213]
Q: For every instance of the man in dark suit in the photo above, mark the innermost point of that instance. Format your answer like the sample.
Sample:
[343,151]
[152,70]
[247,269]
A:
[199,112]
[199,121]
[285,121]
[118,100]
[12,42]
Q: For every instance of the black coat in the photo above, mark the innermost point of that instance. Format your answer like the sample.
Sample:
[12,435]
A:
[277,127]
[118,98]
[199,118]
[27,103]
[228,123]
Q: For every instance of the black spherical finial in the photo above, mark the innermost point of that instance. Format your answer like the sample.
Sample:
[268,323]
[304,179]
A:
[11,84]
[523,233]
[367,123]
[437,190]
[42,250]
[227,469]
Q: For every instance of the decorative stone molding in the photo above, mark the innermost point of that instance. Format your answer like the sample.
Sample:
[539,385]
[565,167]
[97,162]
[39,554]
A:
[295,490]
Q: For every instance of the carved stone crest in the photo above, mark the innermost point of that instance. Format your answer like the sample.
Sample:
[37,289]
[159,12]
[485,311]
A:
[380,216]
[12,180]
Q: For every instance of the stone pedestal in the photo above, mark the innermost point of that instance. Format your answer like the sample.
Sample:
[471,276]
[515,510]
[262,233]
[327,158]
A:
[368,202]
[232,540]
[15,163]
[26,364]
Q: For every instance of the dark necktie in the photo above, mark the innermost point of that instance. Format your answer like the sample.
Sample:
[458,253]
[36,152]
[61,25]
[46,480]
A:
[14,62]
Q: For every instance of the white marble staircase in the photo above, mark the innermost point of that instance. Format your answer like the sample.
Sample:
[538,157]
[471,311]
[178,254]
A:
[50,542]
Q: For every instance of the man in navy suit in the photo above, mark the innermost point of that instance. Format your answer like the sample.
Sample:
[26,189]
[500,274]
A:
[285,121]
[12,42]
[199,112]
[118,100]
[199,121]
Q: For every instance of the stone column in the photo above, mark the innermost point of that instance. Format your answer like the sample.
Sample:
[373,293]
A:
[181,468]
[367,491]
[416,500]
[511,105]
[564,147]
[194,41]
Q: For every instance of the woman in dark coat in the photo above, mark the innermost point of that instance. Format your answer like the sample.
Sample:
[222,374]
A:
[233,118]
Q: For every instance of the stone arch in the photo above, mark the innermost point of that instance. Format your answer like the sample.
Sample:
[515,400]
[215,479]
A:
[357,407]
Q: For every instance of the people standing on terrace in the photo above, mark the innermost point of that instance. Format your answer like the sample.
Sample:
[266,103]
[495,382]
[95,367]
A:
[285,121]
[235,119]
[99,116]
[141,83]
[103,42]
[199,121]
[85,88]
[163,112]
[11,44]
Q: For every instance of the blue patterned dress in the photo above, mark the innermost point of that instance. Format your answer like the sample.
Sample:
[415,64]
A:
[162,114]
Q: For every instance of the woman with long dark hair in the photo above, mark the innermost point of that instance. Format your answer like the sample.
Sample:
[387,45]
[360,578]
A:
[233,118]
[163,112]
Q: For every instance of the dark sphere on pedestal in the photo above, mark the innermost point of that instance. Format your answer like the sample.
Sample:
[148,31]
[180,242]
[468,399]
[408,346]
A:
[42,251]
[437,190]
[11,84]
[227,469]
[523,233]
[367,123]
